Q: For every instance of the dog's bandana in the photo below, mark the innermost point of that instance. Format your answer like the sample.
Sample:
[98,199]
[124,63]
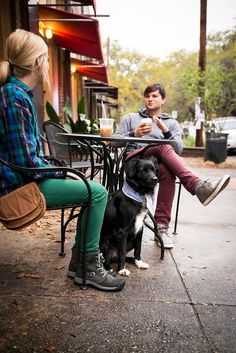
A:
[131,193]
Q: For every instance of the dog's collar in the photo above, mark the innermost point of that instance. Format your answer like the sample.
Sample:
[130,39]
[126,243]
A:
[130,192]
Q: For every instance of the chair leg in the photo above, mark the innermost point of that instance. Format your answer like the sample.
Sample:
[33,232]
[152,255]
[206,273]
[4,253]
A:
[83,244]
[154,230]
[83,285]
[63,230]
[177,210]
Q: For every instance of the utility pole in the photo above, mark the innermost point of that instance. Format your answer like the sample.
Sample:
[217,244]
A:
[202,64]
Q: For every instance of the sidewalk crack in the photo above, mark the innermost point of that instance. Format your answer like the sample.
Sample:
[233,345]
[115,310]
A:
[193,305]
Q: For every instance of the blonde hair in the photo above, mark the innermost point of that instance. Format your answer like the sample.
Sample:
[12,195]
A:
[26,52]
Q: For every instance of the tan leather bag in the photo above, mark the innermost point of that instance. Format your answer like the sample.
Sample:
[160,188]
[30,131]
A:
[22,206]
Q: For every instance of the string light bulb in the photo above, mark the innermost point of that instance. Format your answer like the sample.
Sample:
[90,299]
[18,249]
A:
[48,33]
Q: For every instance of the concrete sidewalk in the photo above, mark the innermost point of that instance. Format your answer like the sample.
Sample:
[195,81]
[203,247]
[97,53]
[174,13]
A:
[186,303]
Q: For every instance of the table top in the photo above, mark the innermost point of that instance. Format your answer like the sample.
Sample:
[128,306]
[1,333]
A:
[125,139]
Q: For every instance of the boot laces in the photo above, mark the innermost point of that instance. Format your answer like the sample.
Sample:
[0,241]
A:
[100,266]
[207,182]
[163,230]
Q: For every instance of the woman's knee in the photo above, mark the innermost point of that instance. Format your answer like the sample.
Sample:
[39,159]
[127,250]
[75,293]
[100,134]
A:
[99,192]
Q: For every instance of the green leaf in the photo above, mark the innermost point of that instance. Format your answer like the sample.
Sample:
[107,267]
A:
[81,106]
[72,124]
[52,113]
[67,109]
[67,127]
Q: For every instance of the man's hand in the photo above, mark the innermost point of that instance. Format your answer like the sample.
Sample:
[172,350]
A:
[160,124]
[143,129]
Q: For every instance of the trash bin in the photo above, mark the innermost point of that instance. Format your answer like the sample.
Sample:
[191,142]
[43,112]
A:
[216,147]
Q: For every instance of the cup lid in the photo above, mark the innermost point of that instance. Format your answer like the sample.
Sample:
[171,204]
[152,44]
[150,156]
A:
[106,119]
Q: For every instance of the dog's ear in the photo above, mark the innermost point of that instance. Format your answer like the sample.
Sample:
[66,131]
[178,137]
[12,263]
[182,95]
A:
[154,160]
[130,167]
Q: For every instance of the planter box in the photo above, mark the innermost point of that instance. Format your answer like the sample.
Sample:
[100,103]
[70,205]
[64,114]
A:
[193,152]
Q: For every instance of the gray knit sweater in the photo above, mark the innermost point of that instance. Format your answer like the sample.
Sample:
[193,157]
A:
[131,121]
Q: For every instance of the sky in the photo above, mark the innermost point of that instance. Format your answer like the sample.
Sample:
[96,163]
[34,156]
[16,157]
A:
[159,27]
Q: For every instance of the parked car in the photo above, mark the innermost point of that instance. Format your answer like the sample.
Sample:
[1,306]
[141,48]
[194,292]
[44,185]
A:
[227,125]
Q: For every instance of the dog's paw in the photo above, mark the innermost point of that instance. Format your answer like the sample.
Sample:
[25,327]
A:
[124,272]
[141,264]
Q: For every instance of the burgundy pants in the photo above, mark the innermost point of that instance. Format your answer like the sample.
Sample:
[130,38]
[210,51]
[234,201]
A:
[170,166]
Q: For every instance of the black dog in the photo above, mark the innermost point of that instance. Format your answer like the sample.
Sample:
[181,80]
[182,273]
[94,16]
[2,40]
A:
[125,213]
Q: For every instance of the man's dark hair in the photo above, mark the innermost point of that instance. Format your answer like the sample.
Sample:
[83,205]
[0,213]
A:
[156,86]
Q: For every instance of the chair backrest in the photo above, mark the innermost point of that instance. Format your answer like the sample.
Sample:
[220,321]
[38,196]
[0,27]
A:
[58,145]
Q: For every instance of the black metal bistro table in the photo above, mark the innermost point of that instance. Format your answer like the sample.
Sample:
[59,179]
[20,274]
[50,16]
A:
[112,156]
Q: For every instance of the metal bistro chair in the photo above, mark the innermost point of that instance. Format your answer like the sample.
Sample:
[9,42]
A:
[74,154]
[66,173]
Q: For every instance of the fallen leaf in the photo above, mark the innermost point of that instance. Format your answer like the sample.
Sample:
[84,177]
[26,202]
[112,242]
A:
[49,348]
[32,275]
[59,268]
[158,322]
[3,343]
[28,275]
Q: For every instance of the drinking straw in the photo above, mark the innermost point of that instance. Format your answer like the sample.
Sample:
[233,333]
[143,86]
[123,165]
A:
[104,110]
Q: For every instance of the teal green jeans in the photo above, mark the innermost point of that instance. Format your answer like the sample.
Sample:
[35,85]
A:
[65,191]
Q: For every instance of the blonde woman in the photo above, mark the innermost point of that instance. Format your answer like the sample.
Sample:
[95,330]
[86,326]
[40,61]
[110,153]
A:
[25,66]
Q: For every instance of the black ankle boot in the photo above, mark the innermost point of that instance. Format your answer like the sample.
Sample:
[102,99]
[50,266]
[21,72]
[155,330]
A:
[96,275]
[73,262]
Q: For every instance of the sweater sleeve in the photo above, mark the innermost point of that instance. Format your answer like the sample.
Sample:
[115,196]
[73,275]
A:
[124,129]
[176,133]
[22,137]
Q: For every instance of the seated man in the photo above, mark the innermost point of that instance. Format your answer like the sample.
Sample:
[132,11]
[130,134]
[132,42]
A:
[162,126]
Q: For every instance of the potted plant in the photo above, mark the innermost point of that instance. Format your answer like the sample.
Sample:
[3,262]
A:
[81,125]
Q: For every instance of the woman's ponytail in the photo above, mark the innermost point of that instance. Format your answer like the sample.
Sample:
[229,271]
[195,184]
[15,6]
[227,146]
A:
[5,71]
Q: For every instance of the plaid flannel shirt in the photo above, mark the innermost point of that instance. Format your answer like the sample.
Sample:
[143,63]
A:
[19,135]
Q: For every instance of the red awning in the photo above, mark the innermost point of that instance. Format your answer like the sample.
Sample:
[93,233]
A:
[77,33]
[91,70]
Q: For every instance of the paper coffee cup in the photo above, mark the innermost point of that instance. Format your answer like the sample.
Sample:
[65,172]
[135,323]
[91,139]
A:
[146,121]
